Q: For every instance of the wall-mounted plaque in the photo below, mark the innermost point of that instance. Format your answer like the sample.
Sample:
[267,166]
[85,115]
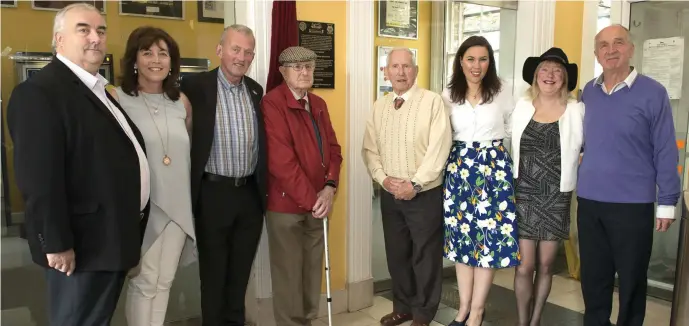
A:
[212,11]
[398,19]
[8,4]
[320,38]
[155,9]
[57,5]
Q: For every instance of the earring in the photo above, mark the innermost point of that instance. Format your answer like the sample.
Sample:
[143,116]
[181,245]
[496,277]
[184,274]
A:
[169,73]
[135,71]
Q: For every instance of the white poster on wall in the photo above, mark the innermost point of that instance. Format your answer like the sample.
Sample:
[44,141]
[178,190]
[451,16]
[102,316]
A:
[662,60]
[384,86]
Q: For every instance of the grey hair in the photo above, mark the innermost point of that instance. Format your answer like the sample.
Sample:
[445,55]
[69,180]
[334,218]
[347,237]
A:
[628,33]
[237,28]
[59,22]
[413,58]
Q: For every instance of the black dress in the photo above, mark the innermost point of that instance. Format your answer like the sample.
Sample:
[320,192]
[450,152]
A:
[542,209]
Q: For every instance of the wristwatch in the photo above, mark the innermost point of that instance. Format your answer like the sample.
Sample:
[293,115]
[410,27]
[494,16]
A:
[417,187]
[331,183]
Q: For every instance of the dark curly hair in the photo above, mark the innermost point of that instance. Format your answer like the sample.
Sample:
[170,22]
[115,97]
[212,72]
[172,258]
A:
[490,84]
[143,38]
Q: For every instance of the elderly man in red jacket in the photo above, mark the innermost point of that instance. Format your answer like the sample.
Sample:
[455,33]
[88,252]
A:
[304,161]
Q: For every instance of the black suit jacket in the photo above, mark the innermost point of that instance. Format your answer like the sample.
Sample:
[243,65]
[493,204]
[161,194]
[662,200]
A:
[77,171]
[202,92]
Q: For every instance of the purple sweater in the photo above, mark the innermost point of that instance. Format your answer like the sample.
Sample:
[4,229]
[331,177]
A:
[629,145]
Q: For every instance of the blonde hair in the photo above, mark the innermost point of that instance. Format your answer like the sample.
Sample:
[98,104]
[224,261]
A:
[534,90]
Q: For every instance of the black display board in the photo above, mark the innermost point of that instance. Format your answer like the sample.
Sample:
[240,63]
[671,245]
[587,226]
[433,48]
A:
[320,38]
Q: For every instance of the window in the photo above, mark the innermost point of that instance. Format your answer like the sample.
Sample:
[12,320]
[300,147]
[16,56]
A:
[466,19]
[603,21]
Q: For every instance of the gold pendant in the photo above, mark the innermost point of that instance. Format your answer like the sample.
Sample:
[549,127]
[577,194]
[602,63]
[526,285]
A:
[167,160]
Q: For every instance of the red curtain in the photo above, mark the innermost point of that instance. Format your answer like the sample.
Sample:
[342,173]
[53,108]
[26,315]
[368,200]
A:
[284,34]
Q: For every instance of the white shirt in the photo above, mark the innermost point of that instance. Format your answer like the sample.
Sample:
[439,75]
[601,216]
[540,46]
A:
[571,125]
[626,82]
[97,85]
[486,121]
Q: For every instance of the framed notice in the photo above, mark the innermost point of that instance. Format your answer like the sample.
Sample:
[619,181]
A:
[384,86]
[320,38]
[398,19]
[8,4]
[154,9]
[212,11]
[57,5]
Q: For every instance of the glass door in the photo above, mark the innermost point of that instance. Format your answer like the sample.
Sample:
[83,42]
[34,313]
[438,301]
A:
[650,21]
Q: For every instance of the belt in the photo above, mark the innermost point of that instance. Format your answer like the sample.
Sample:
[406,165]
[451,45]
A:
[236,182]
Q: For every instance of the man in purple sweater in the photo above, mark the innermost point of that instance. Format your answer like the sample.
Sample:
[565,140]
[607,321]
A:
[629,149]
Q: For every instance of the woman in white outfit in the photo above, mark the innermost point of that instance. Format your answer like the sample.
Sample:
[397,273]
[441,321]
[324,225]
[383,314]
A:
[149,95]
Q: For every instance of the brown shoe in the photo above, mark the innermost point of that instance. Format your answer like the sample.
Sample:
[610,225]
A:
[394,319]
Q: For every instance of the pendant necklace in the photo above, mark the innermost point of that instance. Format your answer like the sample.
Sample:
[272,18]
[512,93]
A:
[166,159]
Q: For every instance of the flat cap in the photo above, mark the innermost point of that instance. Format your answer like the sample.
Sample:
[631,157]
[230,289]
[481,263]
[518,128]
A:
[294,54]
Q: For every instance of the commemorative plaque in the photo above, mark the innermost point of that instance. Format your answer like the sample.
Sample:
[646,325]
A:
[320,38]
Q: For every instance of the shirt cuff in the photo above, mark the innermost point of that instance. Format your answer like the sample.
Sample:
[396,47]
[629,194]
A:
[380,176]
[665,211]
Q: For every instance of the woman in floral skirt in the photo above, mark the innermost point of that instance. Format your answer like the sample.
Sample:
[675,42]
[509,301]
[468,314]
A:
[480,220]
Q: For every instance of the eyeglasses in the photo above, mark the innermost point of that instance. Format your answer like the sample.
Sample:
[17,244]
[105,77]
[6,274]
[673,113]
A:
[300,67]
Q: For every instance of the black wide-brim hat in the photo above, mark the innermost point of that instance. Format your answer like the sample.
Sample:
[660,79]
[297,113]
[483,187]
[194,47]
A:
[555,55]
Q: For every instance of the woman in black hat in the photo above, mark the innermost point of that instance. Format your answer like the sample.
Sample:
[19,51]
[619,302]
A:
[547,137]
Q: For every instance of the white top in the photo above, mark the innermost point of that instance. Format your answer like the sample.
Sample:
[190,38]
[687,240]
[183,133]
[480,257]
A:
[571,125]
[96,83]
[486,121]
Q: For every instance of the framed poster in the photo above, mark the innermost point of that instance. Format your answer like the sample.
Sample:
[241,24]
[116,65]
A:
[384,86]
[212,11]
[398,19]
[320,38]
[154,9]
[8,4]
[57,5]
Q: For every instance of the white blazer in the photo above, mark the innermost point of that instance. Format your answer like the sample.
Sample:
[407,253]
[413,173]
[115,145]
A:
[571,125]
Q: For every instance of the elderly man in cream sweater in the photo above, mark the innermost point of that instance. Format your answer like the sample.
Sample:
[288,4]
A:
[406,145]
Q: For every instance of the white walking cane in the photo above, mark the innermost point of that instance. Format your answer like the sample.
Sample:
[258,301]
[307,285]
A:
[329,298]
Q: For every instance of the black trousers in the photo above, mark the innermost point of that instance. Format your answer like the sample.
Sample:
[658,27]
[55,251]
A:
[83,298]
[228,229]
[414,250]
[614,238]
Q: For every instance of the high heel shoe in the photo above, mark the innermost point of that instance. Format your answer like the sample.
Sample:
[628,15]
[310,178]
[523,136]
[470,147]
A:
[460,323]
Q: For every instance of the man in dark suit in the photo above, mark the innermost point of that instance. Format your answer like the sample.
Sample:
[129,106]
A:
[80,165]
[228,175]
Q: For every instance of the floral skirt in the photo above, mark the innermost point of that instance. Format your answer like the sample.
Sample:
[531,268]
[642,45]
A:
[479,209]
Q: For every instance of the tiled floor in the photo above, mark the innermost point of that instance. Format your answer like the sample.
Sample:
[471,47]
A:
[565,307]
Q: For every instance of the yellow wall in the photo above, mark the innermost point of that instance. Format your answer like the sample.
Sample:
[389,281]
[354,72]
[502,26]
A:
[196,40]
[335,12]
[422,45]
[569,16]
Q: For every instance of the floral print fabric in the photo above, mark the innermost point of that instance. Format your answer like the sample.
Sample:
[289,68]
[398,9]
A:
[479,208]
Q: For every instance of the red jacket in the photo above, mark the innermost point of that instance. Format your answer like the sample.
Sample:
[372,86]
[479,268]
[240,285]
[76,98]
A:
[296,169]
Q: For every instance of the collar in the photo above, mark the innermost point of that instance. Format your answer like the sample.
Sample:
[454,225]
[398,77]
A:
[406,94]
[86,77]
[296,96]
[628,81]
[226,83]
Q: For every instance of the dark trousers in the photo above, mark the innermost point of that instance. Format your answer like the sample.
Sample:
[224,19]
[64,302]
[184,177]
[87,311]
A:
[614,238]
[414,249]
[83,298]
[228,229]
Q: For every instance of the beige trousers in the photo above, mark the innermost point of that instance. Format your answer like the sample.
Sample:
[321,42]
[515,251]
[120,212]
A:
[296,266]
[148,292]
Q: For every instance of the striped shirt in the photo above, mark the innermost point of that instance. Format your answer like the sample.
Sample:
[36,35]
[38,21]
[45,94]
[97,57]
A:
[234,152]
